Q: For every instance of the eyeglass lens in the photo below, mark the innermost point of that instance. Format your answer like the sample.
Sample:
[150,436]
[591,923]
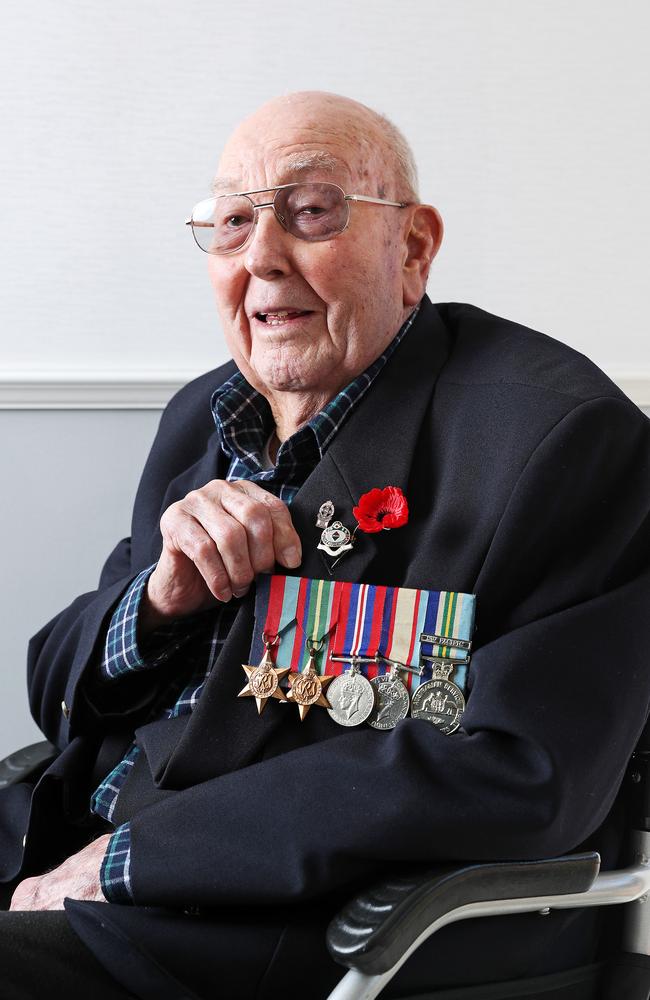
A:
[310,211]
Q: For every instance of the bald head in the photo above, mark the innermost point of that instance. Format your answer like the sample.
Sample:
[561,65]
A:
[314,130]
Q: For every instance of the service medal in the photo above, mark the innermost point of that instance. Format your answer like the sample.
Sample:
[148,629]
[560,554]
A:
[351,696]
[439,701]
[264,680]
[391,701]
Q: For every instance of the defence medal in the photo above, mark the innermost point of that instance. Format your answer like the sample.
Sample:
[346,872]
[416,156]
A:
[439,701]
[391,700]
[351,695]
[307,687]
[264,680]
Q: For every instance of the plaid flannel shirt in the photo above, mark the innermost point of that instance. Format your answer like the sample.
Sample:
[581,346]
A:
[244,423]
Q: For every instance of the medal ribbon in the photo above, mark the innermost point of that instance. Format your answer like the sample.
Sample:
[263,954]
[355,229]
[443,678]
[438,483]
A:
[359,619]
[390,620]
[296,609]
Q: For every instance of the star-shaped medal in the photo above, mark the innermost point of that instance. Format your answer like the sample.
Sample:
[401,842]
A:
[308,688]
[263,681]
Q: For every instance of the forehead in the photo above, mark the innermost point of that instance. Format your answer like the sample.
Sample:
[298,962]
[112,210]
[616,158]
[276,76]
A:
[276,148]
[288,167]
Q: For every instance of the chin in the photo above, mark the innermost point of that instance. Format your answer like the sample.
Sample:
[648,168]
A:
[283,380]
[288,371]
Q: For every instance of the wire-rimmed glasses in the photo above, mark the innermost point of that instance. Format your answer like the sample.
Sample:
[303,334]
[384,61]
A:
[310,210]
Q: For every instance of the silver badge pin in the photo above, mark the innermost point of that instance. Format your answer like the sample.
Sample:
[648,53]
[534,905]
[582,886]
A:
[325,514]
[335,539]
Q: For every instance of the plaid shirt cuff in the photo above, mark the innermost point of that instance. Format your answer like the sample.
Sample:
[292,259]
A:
[104,798]
[122,652]
[115,873]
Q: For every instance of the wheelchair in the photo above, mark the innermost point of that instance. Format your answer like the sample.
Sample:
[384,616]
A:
[380,928]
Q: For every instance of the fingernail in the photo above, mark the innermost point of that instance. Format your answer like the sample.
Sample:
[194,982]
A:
[240,593]
[291,557]
[224,596]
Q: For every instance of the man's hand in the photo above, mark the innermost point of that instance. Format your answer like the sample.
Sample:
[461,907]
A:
[215,541]
[77,877]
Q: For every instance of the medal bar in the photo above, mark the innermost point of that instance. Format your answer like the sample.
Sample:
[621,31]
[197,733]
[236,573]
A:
[446,640]
[355,658]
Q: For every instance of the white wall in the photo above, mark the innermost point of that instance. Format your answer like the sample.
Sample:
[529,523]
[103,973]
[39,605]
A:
[528,119]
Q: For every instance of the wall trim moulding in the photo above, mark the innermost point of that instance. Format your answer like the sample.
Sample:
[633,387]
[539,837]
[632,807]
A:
[90,390]
[151,390]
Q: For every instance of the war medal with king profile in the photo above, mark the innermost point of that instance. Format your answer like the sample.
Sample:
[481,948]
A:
[391,699]
[350,695]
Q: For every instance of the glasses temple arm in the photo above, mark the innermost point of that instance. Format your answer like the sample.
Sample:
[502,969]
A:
[376,201]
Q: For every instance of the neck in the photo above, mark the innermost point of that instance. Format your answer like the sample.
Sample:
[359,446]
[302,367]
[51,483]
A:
[292,410]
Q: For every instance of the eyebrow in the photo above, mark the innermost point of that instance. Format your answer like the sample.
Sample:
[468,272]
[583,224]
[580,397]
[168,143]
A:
[294,165]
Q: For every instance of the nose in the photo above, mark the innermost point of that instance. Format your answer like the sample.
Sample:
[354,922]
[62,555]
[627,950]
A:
[268,254]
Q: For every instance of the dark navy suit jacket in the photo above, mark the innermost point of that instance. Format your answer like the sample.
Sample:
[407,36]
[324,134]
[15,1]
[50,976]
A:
[527,474]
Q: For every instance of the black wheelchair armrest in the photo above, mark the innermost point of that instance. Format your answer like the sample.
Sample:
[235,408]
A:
[22,764]
[378,926]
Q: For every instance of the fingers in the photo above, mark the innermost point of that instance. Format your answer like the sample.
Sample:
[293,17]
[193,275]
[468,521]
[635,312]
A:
[229,532]
[271,534]
[216,543]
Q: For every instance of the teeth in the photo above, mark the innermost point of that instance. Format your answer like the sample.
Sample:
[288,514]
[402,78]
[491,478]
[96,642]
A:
[280,316]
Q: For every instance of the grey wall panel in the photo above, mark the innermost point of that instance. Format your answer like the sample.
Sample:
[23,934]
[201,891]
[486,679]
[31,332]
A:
[68,487]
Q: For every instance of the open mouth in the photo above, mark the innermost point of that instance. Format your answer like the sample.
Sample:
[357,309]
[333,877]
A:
[281,316]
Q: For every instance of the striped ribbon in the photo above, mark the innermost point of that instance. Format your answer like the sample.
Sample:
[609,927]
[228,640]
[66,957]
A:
[359,619]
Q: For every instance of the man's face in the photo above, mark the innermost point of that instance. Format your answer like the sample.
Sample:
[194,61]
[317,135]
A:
[344,296]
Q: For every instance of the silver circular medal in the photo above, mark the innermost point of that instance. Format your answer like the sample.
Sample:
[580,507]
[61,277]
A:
[439,702]
[391,702]
[352,698]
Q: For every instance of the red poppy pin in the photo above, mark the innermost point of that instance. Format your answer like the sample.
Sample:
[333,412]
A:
[380,510]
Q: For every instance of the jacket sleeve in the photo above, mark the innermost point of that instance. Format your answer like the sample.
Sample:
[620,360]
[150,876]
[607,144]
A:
[59,654]
[69,648]
[560,690]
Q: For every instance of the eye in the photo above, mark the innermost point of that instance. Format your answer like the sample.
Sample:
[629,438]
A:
[310,210]
[233,221]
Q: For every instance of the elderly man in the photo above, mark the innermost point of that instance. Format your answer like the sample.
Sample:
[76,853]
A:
[204,822]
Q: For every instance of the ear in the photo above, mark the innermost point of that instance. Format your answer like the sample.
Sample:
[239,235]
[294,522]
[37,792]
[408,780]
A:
[423,240]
